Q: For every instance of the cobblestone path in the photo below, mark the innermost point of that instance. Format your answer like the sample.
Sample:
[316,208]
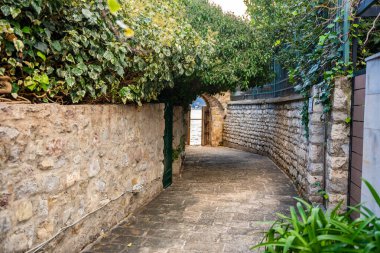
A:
[222,202]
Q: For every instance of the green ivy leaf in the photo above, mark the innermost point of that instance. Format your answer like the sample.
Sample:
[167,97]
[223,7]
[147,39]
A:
[77,71]
[44,79]
[70,58]
[114,6]
[19,45]
[70,81]
[41,46]
[87,13]
[56,46]
[36,6]
[6,10]
[41,55]
[15,12]
[26,29]
[30,83]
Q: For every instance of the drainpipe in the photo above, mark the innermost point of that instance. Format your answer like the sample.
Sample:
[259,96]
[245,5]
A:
[346,30]
[325,122]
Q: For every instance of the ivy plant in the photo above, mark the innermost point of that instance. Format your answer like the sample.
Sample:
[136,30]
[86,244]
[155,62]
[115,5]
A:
[97,51]
[308,39]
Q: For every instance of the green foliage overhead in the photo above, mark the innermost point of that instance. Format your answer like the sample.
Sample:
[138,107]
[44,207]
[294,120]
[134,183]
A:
[72,51]
[239,61]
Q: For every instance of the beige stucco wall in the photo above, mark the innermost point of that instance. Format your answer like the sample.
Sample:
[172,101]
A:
[60,163]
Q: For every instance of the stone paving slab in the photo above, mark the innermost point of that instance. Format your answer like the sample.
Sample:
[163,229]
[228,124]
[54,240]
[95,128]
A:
[222,202]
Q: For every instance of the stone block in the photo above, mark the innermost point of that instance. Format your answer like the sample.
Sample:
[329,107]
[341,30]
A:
[8,132]
[315,169]
[93,168]
[339,132]
[24,210]
[45,231]
[17,243]
[314,181]
[339,116]
[5,222]
[316,133]
[335,199]
[342,95]
[26,188]
[51,183]
[337,177]
[47,163]
[337,163]
[315,153]
[43,208]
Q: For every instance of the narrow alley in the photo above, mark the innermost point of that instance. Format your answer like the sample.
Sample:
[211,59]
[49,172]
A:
[223,201]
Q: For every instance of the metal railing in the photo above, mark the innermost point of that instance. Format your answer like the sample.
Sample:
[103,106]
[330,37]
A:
[279,88]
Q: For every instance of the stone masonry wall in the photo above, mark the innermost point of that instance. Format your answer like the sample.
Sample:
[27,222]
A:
[60,163]
[179,137]
[271,127]
[338,141]
[218,109]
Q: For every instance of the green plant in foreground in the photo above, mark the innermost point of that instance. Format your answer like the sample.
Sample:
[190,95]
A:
[311,229]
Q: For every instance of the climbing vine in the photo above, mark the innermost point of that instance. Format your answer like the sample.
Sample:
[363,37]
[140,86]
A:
[236,60]
[78,51]
[308,39]
[111,51]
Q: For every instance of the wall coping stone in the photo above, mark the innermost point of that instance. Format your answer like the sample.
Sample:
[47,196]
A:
[268,100]
[372,57]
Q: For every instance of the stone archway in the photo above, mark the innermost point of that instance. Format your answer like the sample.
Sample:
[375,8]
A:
[217,111]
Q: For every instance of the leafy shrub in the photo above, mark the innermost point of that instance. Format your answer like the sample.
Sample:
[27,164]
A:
[309,39]
[310,229]
[239,59]
[236,61]
[72,51]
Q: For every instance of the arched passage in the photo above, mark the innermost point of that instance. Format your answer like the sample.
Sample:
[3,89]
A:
[210,119]
[196,118]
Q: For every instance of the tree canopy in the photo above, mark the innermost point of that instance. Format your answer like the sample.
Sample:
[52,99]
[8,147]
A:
[78,51]
[236,61]
[111,51]
[72,51]
[309,38]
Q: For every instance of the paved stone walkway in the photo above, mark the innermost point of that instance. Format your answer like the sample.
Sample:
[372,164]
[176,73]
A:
[222,202]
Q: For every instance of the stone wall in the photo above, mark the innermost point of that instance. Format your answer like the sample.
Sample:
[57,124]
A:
[218,109]
[338,144]
[179,138]
[271,127]
[60,163]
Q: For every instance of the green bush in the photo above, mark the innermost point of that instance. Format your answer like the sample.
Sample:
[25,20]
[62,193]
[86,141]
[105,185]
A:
[77,51]
[311,229]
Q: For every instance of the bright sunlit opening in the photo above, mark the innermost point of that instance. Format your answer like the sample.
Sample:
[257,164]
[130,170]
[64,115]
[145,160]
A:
[236,6]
